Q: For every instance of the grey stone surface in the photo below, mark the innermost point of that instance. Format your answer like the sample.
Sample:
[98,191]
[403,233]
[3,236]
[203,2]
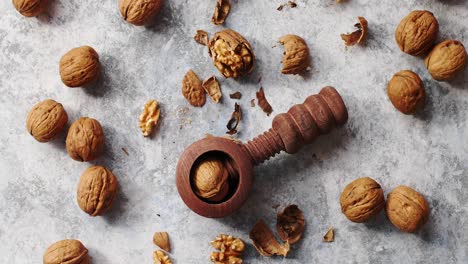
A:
[38,182]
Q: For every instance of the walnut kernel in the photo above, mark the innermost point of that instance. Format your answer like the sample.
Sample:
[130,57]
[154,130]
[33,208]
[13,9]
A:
[159,257]
[296,54]
[68,251]
[80,66]
[446,59]
[149,118]
[85,139]
[30,8]
[46,119]
[192,89]
[231,250]
[139,12]
[417,32]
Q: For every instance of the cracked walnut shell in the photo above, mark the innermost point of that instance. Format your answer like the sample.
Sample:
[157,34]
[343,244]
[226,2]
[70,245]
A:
[290,224]
[192,89]
[362,199]
[296,54]
[159,257]
[85,139]
[30,8]
[211,179]
[80,66]
[406,91]
[407,209]
[232,54]
[357,36]
[68,251]
[139,12]
[96,190]
[417,32]
[212,88]
[446,59]
[149,118]
[46,119]
[265,242]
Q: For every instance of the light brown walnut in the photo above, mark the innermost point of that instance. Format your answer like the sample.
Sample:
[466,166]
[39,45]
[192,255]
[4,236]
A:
[46,119]
[149,118]
[406,91]
[211,179]
[85,139]
[68,251]
[446,59]
[296,54]
[80,66]
[139,12]
[30,8]
[192,89]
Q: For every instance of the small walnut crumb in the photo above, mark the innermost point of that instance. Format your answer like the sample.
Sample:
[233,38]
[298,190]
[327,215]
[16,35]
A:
[292,4]
[357,36]
[201,37]
[161,239]
[221,12]
[149,118]
[329,236]
[125,151]
[236,95]
[159,257]
[231,250]
[263,103]
[265,242]
[211,86]
[280,7]
[252,103]
[192,89]
[235,119]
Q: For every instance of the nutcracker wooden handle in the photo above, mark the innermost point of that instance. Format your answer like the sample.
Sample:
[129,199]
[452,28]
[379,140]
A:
[301,125]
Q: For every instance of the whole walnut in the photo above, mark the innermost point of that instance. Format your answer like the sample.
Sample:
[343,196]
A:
[139,12]
[30,8]
[85,139]
[406,91]
[407,209]
[46,119]
[446,59]
[96,190]
[296,54]
[80,66]
[362,199]
[417,32]
[68,251]
[211,179]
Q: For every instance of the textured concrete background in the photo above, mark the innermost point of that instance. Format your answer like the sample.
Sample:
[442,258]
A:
[426,151]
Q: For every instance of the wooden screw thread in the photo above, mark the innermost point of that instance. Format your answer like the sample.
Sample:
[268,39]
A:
[301,125]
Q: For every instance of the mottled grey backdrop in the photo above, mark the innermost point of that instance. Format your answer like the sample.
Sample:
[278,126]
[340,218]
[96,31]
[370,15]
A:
[38,181]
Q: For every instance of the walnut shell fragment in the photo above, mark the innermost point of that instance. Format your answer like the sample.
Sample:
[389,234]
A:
[329,236]
[231,53]
[85,139]
[296,54]
[290,224]
[46,119]
[161,239]
[221,12]
[149,117]
[265,242]
[192,89]
[201,37]
[211,179]
[237,95]
[357,36]
[212,88]
[231,250]
[446,59]
[159,257]
[30,8]
[235,119]
[139,12]
[69,251]
[263,102]
[79,66]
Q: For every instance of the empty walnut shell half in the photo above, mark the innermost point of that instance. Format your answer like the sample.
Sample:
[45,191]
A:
[30,8]
[362,199]
[407,209]
[69,251]
[296,54]
[46,119]
[231,53]
[80,66]
[417,32]
[265,242]
[85,139]
[96,190]
[406,91]
[446,59]
[290,224]
[139,12]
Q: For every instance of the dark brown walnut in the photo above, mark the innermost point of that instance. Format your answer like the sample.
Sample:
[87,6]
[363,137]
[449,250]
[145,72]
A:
[139,12]
[290,224]
[68,251]
[296,54]
[407,209]
[263,102]
[236,117]
[46,119]
[417,32]
[231,53]
[357,36]
[221,12]
[192,89]
[201,37]
[265,242]
[446,59]
[406,91]
[85,139]
[80,66]
[30,8]
[96,190]
[362,199]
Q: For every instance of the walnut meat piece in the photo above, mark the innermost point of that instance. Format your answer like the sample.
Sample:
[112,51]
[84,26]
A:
[149,118]
[80,66]
[231,53]
[30,8]
[446,59]
[139,12]
[85,139]
[96,190]
[417,32]
[296,54]
[362,199]
[68,251]
[231,250]
[211,179]
[406,91]
[407,209]
[159,257]
[46,119]
[265,242]
[192,89]
[290,224]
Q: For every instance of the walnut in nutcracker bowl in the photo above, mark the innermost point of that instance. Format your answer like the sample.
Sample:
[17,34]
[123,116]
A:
[446,59]
[139,12]
[69,251]
[96,190]
[85,139]
[79,66]
[406,91]
[231,53]
[417,32]
[30,8]
[362,199]
[210,179]
[46,119]
[407,209]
